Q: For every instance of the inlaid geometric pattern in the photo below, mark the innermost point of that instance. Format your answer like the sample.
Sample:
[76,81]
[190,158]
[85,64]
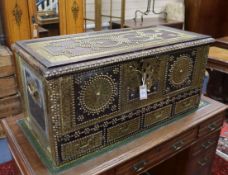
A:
[97,93]
[180,70]
[88,47]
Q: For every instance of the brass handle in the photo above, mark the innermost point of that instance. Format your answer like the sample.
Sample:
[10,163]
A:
[33,91]
[124,128]
[207,144]
[187,104]
[84,145]
[139,166]
[203,162]
[159,115]
[212,126]
[178,145]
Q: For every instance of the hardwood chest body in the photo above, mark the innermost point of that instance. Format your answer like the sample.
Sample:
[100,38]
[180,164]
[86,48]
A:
[81,92]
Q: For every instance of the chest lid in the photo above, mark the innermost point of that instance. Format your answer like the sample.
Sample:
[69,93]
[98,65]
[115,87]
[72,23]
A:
[109,46]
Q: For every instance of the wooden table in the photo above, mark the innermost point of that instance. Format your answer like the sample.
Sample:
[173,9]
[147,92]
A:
[184,147]
[222,42]
[148,22]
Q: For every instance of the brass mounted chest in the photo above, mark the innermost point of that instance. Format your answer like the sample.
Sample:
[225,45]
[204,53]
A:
[81,92]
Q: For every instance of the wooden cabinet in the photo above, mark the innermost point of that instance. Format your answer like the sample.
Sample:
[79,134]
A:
[17,18]
[201,155]
[184,147]
[205,144]
[210,125]
[207,17]
[16,21]
[71,15]
[145,161]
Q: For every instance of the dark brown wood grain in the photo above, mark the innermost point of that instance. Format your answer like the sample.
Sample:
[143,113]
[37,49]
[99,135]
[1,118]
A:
[108,163]
[207,17]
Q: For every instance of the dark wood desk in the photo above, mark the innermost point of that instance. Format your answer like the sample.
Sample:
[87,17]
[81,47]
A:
[148,22]
[184,147]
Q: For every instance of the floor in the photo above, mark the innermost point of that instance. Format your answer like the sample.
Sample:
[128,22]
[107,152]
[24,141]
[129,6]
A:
[5,154]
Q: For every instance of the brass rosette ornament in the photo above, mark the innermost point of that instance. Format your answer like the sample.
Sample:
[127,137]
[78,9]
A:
[97,94]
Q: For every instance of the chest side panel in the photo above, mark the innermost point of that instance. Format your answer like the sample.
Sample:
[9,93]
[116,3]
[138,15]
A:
[35,104]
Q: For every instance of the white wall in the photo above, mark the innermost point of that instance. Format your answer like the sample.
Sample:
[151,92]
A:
[131,7]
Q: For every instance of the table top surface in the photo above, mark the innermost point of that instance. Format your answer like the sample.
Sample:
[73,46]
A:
[147,22]
[219,54]
[223,40]
[29,162]
[218,58]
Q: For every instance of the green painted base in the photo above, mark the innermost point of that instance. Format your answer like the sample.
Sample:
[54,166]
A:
[55,170]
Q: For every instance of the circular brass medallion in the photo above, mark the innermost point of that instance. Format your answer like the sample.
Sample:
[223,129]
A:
[181,71]
[97,94]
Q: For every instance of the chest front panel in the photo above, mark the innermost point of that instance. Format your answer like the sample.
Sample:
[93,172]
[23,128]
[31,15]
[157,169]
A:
[98,107]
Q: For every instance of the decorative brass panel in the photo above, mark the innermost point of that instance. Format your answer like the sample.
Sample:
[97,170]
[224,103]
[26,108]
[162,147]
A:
[181,71]
[61,104]
[61,51]
[97,93]
[202,56]
[67,103]
[187,104]
[80,147]
[157,115]
[122,130]
[150,68]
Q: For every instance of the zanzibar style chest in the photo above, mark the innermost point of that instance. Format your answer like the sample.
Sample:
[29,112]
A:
[83,93]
